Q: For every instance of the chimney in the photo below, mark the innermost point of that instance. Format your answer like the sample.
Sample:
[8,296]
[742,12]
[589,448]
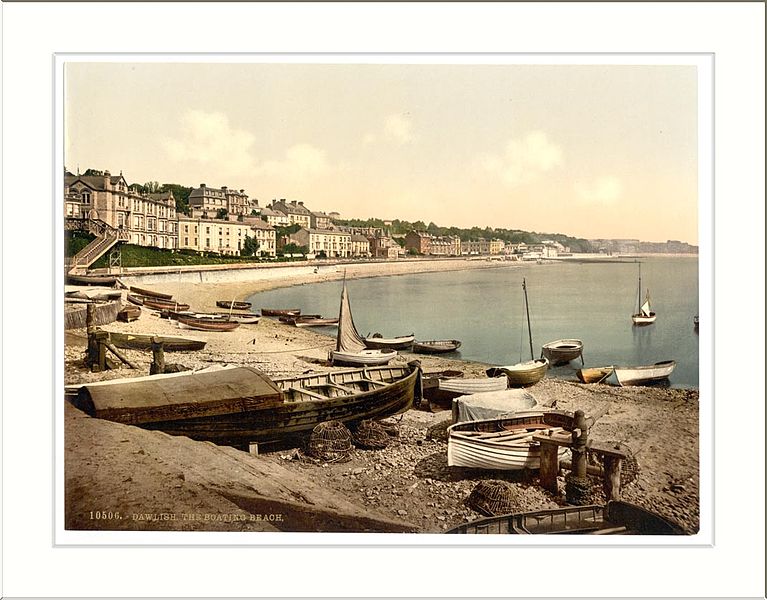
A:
[224,188]
[242,191]
[300,204]
[202,185]
[293,202]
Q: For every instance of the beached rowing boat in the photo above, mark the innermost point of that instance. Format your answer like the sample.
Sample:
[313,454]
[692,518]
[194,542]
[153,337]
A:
[280,312]
[561,352]
[640,375]
[239,405]
[436,346]
[232,304]
[150,293]
[203,323]
[594,374]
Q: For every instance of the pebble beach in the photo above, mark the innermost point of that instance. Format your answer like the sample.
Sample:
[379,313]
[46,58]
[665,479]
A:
[404,487]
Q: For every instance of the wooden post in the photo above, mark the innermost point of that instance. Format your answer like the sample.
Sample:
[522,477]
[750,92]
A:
[549,466]
[158,357]
[612,477]
[580,439]
[454,411]
[101,338]
[90,317]
[253,448]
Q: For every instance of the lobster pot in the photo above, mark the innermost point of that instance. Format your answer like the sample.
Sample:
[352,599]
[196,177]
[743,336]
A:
[371,435]
[492,498]
[330,441]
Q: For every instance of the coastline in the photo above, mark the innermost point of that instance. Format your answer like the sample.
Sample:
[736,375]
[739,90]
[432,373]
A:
[658,424]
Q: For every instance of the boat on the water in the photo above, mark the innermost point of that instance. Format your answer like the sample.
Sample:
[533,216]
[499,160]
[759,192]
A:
[203,323]
[402,342]
[644,314]
[436,346]
[695,321]
[150,293]
[528,372]
[504,443]
[239,405]
[141,341]
[561,352]
[232,304]
[640,375]
[594,374]
[280,312]
[614,518]
[350,347]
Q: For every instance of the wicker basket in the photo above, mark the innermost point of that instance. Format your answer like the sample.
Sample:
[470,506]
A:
[492,498]
[371,435]
[330,441]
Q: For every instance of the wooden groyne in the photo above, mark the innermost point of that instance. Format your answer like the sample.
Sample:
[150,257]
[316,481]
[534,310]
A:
[103,314]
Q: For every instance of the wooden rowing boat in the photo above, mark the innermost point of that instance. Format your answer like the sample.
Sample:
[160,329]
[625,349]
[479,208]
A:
[615,518]
[402,342]
[522,374]
[157,304]
[202,323]
[235,305]
[140,341]
[561,352]
[436,346]
[660,371]
[241,318]
[150,293]
[594,374]
[107,280]
[440,391]
[504,443]
[312,321]
[239,405]
[280,312]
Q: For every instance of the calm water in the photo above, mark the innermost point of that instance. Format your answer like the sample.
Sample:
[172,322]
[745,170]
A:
[484,309]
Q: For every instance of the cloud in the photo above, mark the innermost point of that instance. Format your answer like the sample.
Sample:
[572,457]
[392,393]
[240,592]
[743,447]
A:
[302,161]
[396,129]
[523,160]
[603,191]
[208,139]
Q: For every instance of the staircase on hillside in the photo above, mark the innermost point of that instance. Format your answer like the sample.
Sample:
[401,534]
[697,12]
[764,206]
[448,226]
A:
[106,237]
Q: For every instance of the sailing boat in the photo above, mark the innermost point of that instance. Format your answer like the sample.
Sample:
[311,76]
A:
[644,315]
[350,347]
[528,372]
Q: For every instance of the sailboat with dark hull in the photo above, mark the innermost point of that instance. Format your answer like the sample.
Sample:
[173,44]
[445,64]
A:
[350,346]
[644,314]
[524,373]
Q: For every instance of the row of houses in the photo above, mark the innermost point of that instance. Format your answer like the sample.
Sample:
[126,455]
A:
[450,245]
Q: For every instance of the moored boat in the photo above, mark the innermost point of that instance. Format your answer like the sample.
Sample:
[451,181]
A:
[232,304]
[201,323]
[614,518]
[561,352]
[350,347]
[402,342]
[639,375]
[436,346]
[239,405]
[150,293]
[280,312]
[594,374]
[504,443]
[644,314]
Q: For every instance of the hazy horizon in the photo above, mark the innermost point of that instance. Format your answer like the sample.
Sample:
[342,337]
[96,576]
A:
[605,151]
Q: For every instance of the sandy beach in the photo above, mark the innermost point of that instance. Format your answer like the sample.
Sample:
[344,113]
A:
[405,487]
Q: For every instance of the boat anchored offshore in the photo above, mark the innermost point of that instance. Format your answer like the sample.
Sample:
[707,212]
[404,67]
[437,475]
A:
[644,314]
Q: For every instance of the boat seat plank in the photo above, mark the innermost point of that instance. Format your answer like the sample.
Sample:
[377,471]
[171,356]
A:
[311,394]
[343,388]
[378,383]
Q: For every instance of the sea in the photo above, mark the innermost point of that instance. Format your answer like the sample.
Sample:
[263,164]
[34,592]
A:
[484,309]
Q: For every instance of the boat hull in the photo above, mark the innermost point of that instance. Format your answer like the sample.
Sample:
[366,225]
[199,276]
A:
[398,343]
[361,358]
[523,374]
[563,351]
[243,406]
[617,518]
[442,391]
[642,374]
[506,443]
[150,293]
[162,305]
[280,312]
[436,346]
[135,341]
[207,324]
[594,374]
[640,319]
[233,305]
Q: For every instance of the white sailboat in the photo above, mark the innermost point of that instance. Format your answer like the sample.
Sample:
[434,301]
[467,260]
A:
[350,346]
[644,314]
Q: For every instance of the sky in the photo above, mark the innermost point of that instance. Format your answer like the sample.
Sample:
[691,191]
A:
[591,151]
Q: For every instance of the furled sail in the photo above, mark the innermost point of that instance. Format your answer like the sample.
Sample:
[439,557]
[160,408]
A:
[348,340]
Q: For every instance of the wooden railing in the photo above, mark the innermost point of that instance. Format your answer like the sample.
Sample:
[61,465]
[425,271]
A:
[106,237]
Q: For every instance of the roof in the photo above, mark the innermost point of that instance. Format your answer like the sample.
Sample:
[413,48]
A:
[290,208]
[268,212]
[162,196]
[356,237]
[259,224]
[327,231]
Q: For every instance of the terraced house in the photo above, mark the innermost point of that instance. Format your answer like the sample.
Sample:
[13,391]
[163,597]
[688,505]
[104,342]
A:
[106,201]
[212,235]
[296,212]
[211,200]
[333,243]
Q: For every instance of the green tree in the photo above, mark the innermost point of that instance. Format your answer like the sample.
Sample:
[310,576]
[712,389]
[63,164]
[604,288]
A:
[221,213]
[249,247]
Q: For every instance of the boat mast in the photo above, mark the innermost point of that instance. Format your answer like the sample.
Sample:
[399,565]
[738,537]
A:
[527,310]
[639,291]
